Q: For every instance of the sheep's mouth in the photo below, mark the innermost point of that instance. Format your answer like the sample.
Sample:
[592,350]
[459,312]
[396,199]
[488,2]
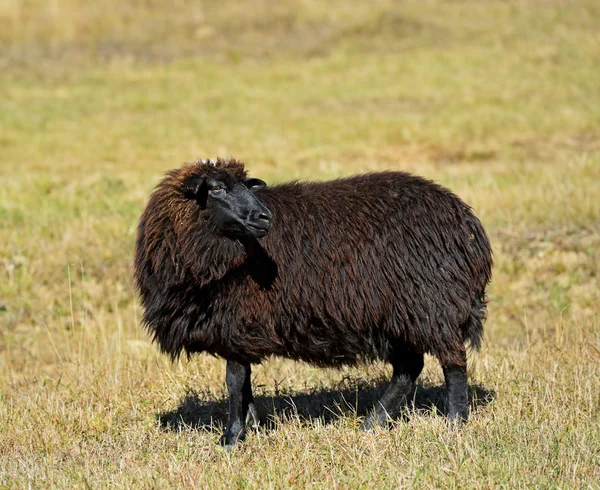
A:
[257,231]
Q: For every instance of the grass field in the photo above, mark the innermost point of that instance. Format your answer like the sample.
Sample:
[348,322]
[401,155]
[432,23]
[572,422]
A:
[498,100]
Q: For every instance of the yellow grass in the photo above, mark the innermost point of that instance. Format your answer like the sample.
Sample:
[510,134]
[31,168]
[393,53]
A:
[497,100]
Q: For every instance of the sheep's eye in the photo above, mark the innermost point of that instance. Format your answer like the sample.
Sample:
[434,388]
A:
[217,189]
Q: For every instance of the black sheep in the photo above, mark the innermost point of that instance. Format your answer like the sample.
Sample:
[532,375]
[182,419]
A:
[385,266]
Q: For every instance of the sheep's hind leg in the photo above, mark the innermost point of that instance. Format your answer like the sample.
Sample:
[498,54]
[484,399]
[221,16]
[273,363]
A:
[456,385]
[407,367]
[241,402]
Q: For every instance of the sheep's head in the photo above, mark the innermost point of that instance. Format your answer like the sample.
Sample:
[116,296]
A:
[222,189]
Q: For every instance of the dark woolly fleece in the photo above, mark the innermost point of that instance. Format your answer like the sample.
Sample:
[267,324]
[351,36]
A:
[351,270]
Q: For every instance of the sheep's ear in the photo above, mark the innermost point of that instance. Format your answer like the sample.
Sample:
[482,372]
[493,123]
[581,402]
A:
[255,184]
[197,189]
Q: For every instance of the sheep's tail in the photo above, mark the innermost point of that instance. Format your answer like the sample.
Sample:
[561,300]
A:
[473,327]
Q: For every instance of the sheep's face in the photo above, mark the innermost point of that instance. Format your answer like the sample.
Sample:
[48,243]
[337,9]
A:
[231,205]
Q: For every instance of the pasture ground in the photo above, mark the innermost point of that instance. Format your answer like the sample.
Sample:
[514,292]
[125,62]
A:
[498,100]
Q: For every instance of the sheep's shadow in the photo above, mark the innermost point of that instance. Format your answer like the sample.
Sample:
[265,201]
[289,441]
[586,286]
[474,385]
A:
[325,405]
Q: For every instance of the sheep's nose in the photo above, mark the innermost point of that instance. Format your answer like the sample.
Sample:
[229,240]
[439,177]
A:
[264,219]
[261,219]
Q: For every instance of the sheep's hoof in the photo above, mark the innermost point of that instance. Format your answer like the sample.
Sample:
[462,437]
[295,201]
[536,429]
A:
[367,425]
[457,420]
[230,440]
[372,422]
[224,448]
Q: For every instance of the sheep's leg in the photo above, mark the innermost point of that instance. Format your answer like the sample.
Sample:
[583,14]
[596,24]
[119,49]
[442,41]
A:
[407,367]
[241,402]
[458,394]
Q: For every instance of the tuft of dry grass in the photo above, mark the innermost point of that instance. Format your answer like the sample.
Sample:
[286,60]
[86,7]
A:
[497,100]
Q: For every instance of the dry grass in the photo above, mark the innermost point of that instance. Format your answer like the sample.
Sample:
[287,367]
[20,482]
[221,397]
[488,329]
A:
[497,100]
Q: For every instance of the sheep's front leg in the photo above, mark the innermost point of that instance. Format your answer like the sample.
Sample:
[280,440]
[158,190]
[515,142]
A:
[241,402]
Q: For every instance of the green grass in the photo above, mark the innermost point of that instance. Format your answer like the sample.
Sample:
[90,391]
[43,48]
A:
[500,101]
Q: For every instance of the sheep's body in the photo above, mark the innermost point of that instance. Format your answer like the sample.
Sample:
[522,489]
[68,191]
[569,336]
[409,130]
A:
[352,270]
